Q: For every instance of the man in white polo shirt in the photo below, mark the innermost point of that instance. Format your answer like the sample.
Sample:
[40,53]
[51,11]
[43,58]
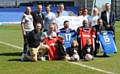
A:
[27,26]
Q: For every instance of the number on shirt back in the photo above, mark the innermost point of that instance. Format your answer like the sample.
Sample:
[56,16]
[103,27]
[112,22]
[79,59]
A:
[106,38]
[68,37]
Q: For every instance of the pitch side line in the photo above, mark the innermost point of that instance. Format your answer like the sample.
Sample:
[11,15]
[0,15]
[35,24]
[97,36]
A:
[11,45]
[90,67]
[75,63]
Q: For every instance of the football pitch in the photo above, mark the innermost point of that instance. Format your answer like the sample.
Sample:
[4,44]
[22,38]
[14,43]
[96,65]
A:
[11,43]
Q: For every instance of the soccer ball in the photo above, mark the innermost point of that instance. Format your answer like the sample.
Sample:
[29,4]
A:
[75,57]
[88,57]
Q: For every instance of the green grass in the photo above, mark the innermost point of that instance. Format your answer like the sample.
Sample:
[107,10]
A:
[10,64]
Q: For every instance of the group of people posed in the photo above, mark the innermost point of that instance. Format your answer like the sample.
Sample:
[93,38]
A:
[37,26]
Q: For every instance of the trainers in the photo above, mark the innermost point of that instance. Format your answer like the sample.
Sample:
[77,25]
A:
[22,57]
[43,59]
[67,57]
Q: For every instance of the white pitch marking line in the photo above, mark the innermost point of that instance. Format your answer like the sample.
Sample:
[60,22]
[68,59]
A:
[90,67]
[8,44]
[82,65]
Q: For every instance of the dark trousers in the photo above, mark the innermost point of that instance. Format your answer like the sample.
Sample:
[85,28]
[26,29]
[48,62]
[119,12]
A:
[26,45]
[97,45]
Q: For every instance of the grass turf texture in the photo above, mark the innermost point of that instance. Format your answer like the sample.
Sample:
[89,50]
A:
[10,64]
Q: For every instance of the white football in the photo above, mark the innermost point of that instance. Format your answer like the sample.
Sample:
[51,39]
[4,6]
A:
[88,57]
[75,57]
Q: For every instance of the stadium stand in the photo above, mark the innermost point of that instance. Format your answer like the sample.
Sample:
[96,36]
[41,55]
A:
[15,14]
[12,10]
[12,14]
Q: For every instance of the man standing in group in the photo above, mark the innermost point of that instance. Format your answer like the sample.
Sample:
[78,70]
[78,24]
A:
[94,17]
[62,10]
[38,15]
[108,18]
[49,17]
[84,16]
[27,27]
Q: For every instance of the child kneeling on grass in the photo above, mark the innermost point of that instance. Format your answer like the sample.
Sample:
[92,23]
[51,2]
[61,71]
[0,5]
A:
[72,52]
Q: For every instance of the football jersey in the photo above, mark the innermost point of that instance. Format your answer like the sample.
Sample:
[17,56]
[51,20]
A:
[87,36]
[52,48]
[68,36]
[107,42]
